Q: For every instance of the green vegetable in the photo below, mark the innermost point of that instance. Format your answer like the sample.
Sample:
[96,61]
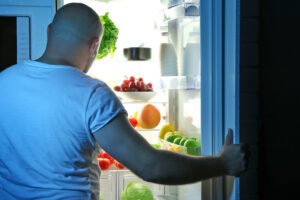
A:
[136,191]
[157,146]
[109,39]
[100,196]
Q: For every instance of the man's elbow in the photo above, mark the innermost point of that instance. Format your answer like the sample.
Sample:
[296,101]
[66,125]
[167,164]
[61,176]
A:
[148,170]
[149,177]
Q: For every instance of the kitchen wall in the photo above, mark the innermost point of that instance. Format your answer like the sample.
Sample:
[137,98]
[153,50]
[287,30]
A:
[270,90]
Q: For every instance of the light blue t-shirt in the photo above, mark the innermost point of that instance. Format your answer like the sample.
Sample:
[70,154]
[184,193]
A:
[48,114]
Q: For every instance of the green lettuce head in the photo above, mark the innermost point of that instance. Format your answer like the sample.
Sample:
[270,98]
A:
[109,38]
[100,196]
[136,191]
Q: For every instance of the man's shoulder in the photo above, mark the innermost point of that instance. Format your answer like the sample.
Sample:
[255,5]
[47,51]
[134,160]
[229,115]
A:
[8,71]
[92,81]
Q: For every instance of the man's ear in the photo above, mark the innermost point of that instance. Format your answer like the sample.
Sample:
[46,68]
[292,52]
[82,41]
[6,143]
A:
[94,47]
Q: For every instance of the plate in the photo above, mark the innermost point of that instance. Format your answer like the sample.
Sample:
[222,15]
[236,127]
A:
[137,96]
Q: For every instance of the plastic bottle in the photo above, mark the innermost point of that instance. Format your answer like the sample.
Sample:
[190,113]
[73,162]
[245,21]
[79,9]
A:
[191,61]
[167,56]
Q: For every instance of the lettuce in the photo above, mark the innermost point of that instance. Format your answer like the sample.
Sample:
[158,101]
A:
[136,191]
[109,38]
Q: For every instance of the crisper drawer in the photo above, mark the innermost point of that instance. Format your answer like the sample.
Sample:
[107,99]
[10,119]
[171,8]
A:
[113,182]
[108,182]
[125,177]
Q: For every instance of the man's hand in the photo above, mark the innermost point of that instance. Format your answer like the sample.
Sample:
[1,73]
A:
[234,156]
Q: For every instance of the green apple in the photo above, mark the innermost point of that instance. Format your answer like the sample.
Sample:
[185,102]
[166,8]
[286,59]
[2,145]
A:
[192,146]
[167,134]
[182,141]
[171,138]
[177,140]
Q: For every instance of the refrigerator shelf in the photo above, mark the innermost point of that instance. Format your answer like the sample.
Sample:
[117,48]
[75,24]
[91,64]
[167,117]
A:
[160,97]
[147,130]
[144,102]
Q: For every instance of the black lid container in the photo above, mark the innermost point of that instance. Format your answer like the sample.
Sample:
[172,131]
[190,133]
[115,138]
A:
[137,53]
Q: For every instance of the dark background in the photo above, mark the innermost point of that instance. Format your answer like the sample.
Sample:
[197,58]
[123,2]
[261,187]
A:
[8,42]
[270,97]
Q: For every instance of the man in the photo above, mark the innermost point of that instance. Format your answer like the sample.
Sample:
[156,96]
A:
[53,118]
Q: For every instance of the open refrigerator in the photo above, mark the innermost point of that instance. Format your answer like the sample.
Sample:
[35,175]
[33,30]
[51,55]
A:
[174,69]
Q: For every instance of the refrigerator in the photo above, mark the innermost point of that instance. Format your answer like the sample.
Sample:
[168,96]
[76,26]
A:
[194,80]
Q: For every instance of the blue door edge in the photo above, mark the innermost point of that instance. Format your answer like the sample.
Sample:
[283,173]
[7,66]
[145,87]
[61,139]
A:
[220,25]
[212,88]
[231,84]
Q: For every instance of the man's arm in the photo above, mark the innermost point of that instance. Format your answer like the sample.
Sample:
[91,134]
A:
[119,139]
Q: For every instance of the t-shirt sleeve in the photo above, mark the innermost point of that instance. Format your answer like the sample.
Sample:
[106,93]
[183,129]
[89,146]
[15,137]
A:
[103,106]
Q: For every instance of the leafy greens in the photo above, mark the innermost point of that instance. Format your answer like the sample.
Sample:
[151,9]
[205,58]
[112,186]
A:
[109,39]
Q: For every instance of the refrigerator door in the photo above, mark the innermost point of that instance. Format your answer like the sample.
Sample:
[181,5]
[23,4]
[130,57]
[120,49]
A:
[220,87]
[231,84]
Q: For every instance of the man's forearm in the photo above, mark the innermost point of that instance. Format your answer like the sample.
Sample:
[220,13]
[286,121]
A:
[173,168]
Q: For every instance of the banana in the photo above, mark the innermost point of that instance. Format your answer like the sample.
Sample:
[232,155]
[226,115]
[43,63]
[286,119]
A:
[164,129]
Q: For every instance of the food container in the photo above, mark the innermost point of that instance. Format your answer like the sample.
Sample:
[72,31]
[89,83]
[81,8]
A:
[137,53]
[181,149]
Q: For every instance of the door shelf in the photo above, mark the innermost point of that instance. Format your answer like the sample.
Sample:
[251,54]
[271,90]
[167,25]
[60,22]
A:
[180,82]
[182,8]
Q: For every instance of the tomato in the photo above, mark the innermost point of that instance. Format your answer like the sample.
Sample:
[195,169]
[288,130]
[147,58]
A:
[103,154]
[104,163]
[133,121]
[118,165]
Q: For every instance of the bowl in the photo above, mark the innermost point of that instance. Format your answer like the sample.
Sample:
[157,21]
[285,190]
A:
[137,53]
[137,96]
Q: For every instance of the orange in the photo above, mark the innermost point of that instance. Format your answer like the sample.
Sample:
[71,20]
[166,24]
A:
[148,117]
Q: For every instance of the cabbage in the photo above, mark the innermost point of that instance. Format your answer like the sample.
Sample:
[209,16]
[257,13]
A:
[136,191]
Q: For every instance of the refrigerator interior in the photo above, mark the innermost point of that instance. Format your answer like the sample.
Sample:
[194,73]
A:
[172,30]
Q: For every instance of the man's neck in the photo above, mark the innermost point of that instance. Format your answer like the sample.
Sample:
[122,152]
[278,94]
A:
[52,60]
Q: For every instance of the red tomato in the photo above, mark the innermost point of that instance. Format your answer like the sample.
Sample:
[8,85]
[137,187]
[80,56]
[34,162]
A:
[104,163]
[133,121]
[118,165]
[103,154]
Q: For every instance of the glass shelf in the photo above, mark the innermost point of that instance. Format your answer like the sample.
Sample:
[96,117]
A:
[147,130]
[143,102]
[160,98]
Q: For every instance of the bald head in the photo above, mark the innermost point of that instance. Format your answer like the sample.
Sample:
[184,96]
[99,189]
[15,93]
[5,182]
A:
[74,37]
[75,23]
